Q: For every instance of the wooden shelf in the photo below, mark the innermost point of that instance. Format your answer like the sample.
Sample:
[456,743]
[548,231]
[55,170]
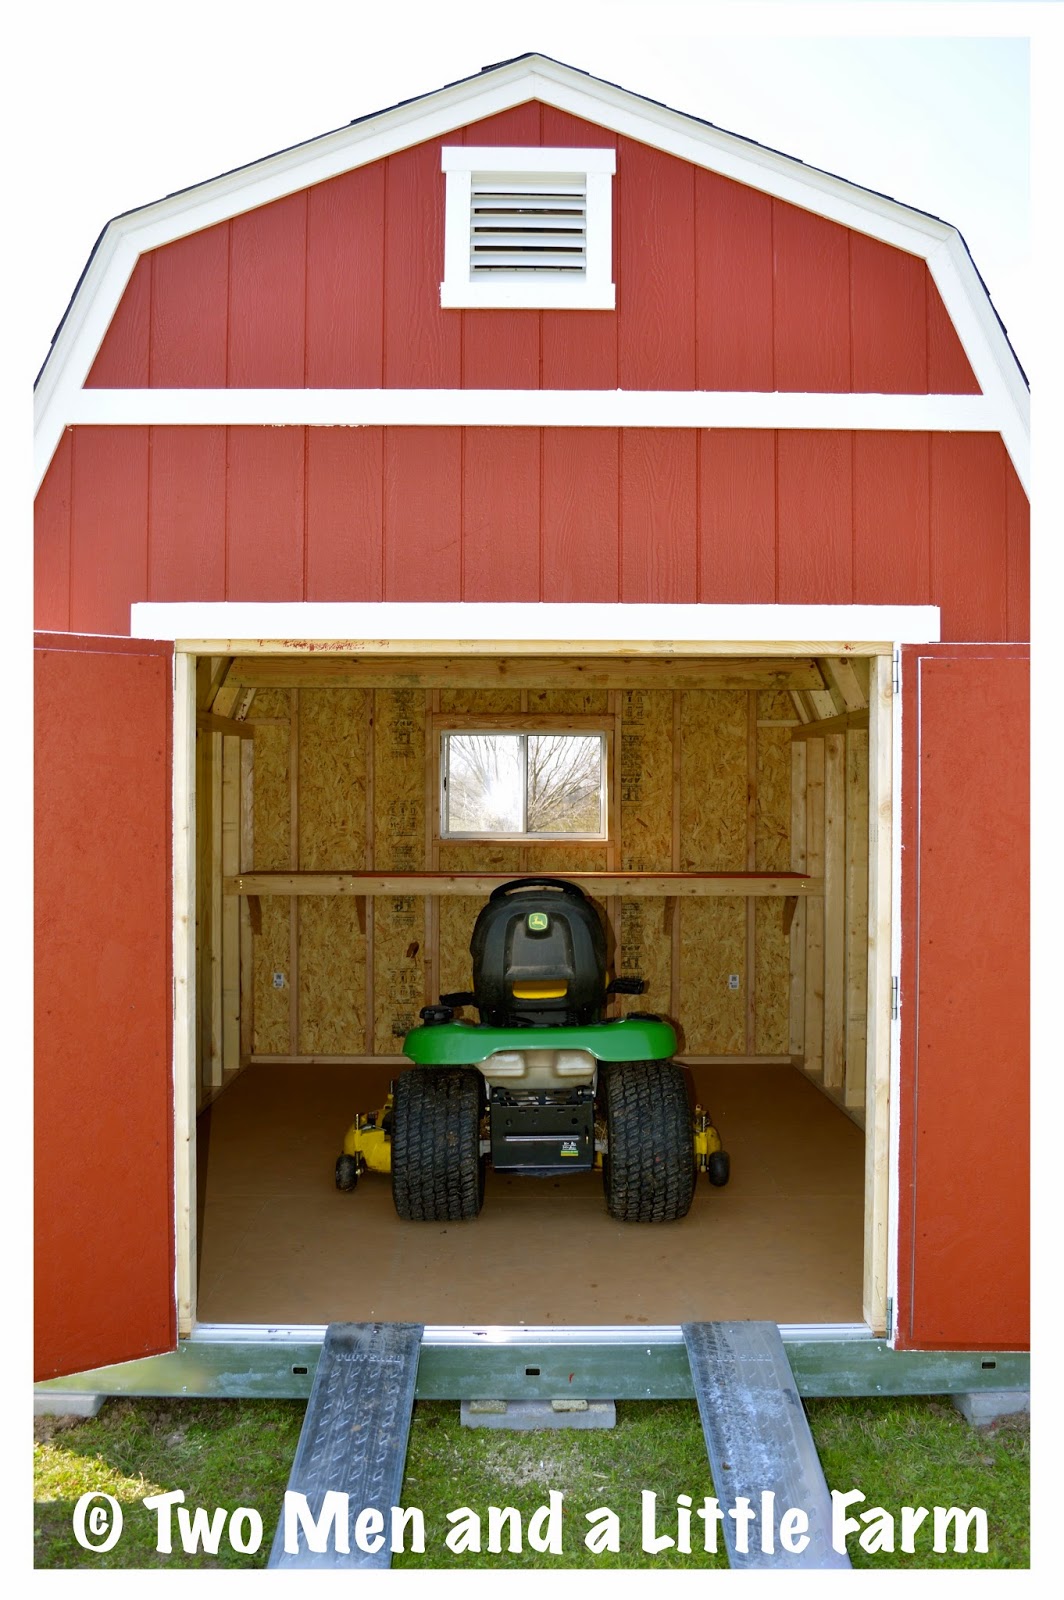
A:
[650,884]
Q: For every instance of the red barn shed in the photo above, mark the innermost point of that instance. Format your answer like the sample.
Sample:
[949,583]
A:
[728,470]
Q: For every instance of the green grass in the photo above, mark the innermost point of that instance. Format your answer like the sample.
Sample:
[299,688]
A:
[898,1452]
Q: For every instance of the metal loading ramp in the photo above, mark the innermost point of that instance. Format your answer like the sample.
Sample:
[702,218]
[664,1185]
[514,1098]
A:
[353,1443]
[352,1448]
[759,1443]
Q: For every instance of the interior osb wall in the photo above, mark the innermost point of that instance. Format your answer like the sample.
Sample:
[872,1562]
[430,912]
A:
[719,780]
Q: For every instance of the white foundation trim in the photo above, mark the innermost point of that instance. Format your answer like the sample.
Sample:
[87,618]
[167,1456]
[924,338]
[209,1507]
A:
[396,627]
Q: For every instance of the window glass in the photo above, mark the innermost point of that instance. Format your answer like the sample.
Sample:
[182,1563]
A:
[537,785]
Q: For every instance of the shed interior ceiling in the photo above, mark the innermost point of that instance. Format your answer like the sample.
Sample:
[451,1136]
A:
[316,791]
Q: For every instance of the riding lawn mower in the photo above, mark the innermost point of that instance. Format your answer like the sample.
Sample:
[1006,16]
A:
[541,1085]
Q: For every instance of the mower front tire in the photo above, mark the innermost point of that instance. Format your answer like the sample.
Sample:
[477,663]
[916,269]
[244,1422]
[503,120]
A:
[437,1168]
[649,1168]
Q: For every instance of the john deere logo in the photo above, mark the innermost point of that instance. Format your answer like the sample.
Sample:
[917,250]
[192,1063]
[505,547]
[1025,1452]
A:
[537,922]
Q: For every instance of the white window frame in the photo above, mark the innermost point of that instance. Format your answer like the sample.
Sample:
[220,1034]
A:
[504,727]
[592,290]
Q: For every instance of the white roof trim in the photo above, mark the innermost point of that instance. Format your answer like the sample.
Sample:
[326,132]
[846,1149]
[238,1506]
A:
[499,89]
[685,629]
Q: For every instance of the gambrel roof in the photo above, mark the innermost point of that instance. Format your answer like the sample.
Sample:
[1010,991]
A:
[1002,406]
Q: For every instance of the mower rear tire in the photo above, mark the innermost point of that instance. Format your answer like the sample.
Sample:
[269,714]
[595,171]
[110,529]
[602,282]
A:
[437,1168]
[648,1172]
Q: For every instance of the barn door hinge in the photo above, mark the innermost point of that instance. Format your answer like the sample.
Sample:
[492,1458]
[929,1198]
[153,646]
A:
[895,671]
[894,999]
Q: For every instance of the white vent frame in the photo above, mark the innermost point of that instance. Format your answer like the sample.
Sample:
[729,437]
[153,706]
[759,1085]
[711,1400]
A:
[591,290]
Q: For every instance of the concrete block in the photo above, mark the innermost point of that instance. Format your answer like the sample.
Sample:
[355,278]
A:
[65,1403]
[982,1406]
[524,1416]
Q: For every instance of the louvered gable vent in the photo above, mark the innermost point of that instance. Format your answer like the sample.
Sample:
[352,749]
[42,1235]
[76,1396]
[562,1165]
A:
[521,222]
[528,226]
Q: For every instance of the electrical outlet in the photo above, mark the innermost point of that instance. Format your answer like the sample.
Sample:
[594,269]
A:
[733,980]
[278,980]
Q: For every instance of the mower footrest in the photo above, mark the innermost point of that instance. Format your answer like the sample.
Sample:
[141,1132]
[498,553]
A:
[353,1444]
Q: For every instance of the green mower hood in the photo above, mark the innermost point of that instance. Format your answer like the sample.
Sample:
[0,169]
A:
[467,1044]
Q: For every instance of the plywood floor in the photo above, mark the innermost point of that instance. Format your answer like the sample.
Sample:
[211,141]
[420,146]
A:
[279,1244]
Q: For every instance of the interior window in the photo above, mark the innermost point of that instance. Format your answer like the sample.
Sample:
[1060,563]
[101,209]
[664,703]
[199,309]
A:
[546,785]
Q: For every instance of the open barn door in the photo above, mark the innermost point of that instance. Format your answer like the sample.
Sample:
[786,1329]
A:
[103,1106]
[964,1090]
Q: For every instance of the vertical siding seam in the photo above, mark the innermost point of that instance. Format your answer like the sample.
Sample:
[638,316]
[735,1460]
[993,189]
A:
[306,496]
[853,516]
[228,329]
[927,329]
[620,513]
[147,514]
[70,535]
[699,437]
[306,300]
[225,513]
[930,519]
[384,275]
[772,264]
[1003,458]
[775,509]
[539,503]
[151,310]
[461,511]
[384,514]
[849,301]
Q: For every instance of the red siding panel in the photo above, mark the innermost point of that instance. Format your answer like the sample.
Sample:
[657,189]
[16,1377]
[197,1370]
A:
[190,311]
[580,537]
[265,514]
[345,513]
[104,1240]
[422,342]
[659,515]
[500,354]
[122,361]
[109,528]
[518,126]
[500,514]
[655,269]
[891,511]
[812,311]
[422,514]
[815,531]
[345,281]
[733,267]
[948,369]
[737,515]
[889,310]
[267,296]
[186,514]
[51,541]
[579,348]
[1018,515]
[969,540]
[964,1086]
